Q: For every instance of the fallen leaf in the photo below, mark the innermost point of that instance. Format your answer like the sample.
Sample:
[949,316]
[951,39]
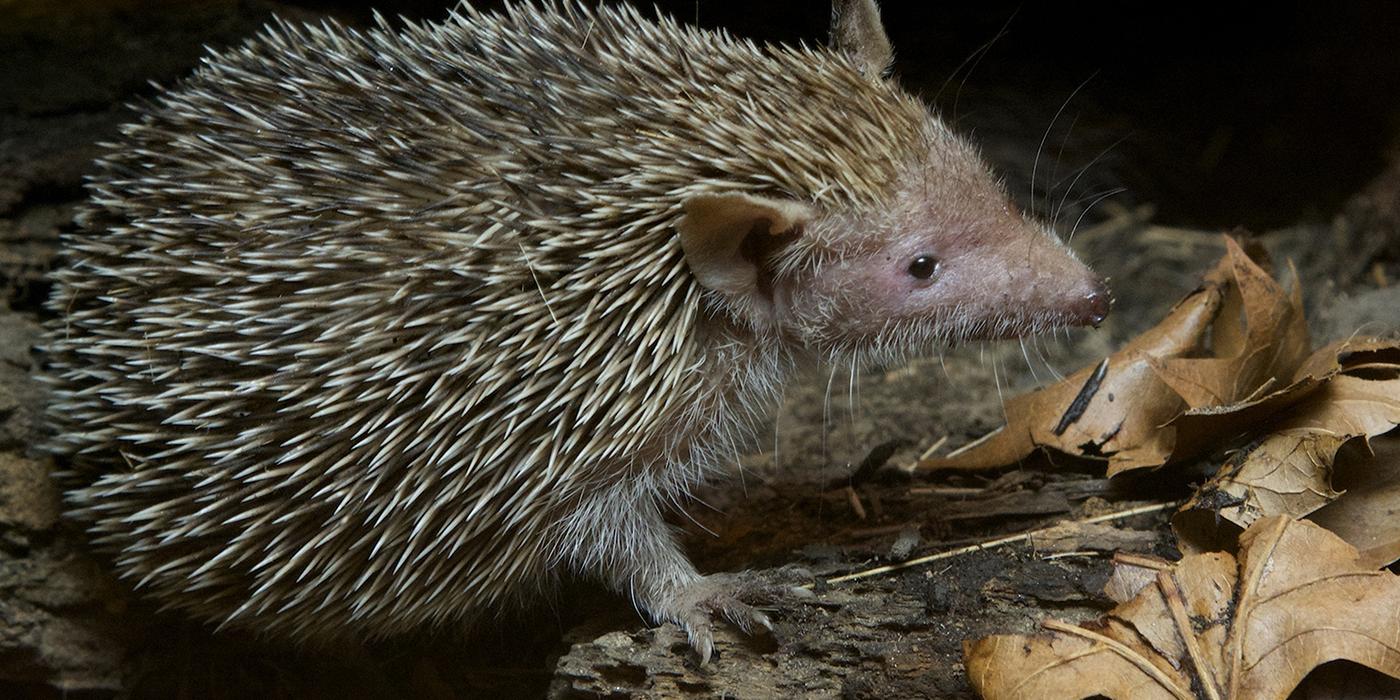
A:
[1288,473]
[1349,405]
[1204,428]
[1051,416]
[1228,341]
[1215,626]
[1131,574]
[1368,516]
[1352,391]
[1259,337]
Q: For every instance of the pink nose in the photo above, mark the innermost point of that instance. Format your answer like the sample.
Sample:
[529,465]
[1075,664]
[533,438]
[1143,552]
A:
[1093,307]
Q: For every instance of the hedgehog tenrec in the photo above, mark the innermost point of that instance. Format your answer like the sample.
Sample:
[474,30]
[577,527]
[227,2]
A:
[367,331]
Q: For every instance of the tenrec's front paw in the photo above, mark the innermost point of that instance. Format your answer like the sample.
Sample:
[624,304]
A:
[694,607]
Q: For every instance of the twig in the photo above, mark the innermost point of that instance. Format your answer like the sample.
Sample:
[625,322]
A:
[1166,583]
[991,544]
[926,454]
[1066,555]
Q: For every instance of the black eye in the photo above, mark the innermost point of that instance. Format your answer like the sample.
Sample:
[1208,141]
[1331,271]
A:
[923,266]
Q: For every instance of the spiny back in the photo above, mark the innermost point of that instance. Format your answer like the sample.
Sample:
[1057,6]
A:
[357,311]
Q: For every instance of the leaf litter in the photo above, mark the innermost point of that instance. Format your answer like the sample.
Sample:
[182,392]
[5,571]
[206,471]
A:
[1261,598]
[1214,625]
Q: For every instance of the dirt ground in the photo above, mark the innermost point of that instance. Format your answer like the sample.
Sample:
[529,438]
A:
[827,493]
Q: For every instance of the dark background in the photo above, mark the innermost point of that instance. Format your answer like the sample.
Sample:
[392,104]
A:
[1219,113]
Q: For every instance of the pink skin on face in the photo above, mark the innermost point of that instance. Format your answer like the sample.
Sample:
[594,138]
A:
[936,278]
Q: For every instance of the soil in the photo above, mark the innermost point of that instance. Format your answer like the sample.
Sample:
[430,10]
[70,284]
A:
[1295,139]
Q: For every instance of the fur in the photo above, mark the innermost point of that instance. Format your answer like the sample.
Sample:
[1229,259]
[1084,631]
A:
[367,331]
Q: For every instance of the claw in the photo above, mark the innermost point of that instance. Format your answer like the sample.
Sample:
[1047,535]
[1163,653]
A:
[767,623]
[696,605]
[744,617]
[704,645]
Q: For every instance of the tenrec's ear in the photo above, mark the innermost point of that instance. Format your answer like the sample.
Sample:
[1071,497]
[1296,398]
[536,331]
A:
[857,32]
[713,232]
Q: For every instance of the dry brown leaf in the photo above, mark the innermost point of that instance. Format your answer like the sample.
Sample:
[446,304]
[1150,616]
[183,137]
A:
[1288,473]
[1203,428]
[1116,410]
[1355,355]
[1369,515]
[1352,391]
[1131,574]
[1258,338]
[1049,416]
[1349,405]
[1214,626]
